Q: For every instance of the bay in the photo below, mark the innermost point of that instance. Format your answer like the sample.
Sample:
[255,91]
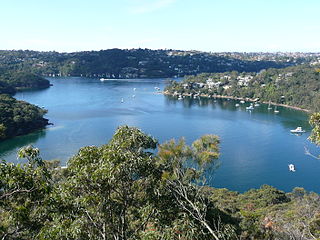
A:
[256,146]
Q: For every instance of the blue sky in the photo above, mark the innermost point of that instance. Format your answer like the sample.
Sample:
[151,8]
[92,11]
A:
[207,25]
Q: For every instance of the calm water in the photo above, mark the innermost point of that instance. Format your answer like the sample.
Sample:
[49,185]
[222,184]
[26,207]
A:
[256,147]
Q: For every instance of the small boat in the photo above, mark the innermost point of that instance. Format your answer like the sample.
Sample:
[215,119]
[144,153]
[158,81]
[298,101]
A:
[242,101]
[237,105]
[157,88]
[297,130]
[122,100]
[275,110]
[180,97]
[292,168]
[133,96]
[250,107]
[256,104]
[134,89]
[269,106]
[103,79]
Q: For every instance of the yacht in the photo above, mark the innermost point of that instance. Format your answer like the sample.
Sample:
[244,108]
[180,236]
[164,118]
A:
[103,79]
[292,168]
[298,130]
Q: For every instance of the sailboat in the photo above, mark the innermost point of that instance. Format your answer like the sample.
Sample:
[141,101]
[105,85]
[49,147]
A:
[275,110]
[292,168]
[269,106]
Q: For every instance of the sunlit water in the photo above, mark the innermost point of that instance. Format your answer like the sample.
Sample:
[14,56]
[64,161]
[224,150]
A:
[256,147]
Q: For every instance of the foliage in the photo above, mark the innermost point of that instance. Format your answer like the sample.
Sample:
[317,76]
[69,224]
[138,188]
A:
[131,63]
[23,192]
[2,131]
[21,80]
[295,86]
[18,117]
[315,123]
[6,88]
[124,190]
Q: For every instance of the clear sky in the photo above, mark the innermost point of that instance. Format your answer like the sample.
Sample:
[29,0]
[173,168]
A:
[207,25]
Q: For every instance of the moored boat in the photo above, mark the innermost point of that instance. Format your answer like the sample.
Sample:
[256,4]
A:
[292,168]
[298,130]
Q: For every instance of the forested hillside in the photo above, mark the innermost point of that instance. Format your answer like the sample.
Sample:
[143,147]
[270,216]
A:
[11,81]
[18,117]
[138,63]
[294,86]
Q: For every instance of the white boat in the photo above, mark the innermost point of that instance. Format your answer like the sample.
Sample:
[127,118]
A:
[122,100]
[103,79]
[250,107]
[134,89]
[242,101]
[292,167]
[275,110]
[180,97]
[256,104]
[133,96]
[269,106]
[298,130]
[237,105]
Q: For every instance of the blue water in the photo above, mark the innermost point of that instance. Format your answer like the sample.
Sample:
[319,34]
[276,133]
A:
[256,147]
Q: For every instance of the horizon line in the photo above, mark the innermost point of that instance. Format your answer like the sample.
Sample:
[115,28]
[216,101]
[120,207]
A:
[161,49]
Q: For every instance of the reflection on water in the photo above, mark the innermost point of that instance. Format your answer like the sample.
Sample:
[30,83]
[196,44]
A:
[10,146]
[256,146]
[290,118]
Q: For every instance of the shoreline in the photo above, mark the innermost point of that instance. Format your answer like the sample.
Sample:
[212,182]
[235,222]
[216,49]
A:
[240,99]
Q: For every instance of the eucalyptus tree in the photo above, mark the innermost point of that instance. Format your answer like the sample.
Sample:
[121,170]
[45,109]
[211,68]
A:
[184,169]
[107,191]
[24,189]
[122,190]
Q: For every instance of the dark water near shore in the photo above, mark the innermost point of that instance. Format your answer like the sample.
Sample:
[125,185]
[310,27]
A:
[256,147]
